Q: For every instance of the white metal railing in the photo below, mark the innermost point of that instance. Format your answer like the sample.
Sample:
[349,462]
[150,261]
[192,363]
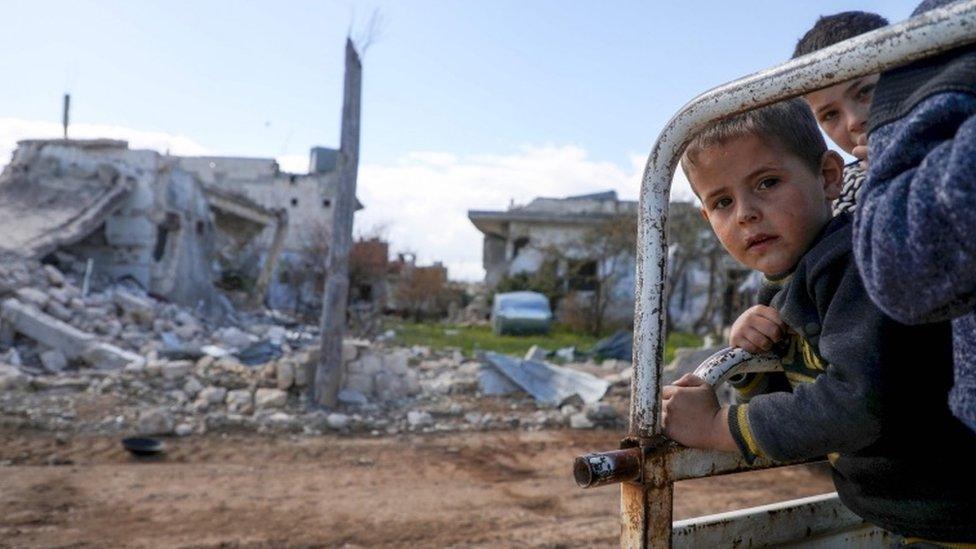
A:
[646,496]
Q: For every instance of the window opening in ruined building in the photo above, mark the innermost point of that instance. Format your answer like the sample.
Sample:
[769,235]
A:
[200,227]
[517,246]
[582,275]
[326,203]
[294,202]
[162,235]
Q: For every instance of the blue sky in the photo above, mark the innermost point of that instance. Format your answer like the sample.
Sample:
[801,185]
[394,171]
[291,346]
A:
[467,105]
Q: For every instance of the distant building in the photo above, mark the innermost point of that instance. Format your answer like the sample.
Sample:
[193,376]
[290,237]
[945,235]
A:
[522,238]
[708,289]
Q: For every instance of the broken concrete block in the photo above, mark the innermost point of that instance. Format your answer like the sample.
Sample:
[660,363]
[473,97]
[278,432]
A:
[397,362]
[155,421]
[61,295]
[58,311]
[337,421]
[54,276]
[32,296]
[176,369]
[417,419]
[212,395]
[192,387]
[140,309]
[285,374]
[389,386]
[359,382]
[11,378]
[368,364]
[302,374]
[240,401]
[53,361]
[269,398]
[233,337]
[106,356]
[349,351]
[44,328]
[352,397]
[580,421]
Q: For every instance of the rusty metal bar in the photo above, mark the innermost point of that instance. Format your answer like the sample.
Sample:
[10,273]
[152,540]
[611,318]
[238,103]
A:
[820,520]
[644,508]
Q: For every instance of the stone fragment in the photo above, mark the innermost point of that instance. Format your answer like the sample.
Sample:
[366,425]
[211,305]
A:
[368,364]
[240,401]
[285,374]
[359,382]
[32,296]
[54,361]
[155,421]
[183,429]
[270,398]
[352,397]
[417,419]
[192,387]
[397,362]
[337,421]
[12,379]
[58,311]
[389,386]
[233,337]
[60,295]
[600,412]
[348,351]
[301,374]
[54,276]
[580,421]
[176,369]
[140,309]
[212,395]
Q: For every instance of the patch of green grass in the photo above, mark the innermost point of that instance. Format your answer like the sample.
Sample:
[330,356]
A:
[470,339]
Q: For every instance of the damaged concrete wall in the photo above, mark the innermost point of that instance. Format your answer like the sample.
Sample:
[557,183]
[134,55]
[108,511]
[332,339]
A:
[158,231]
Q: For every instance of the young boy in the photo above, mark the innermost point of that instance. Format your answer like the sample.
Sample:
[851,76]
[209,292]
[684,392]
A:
[914,239]
[842,110]
[863,389]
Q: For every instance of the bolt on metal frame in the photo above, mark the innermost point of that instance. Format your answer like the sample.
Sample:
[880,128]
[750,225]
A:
[647,487]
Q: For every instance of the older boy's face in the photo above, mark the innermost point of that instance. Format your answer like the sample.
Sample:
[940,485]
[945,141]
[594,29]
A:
[764,204]
[842,112]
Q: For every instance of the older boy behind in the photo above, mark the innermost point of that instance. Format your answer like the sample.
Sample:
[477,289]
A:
[857,389]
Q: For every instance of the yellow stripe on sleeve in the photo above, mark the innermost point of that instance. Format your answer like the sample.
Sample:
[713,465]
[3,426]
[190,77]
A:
[743,420]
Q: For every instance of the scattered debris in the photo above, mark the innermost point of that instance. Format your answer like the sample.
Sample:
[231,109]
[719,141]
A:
[547,383]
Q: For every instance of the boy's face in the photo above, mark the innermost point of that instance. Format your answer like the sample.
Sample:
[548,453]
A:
[842,111]
[764,204]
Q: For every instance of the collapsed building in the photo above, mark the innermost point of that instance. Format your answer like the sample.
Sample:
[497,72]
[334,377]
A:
[707,286]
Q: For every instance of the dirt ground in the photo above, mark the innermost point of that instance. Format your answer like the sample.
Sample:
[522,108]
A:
[499,489]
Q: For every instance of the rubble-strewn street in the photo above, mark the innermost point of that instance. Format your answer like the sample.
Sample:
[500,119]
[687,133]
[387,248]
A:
[159,369]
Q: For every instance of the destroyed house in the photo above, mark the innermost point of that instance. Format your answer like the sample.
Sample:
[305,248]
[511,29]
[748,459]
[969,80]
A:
[129,214]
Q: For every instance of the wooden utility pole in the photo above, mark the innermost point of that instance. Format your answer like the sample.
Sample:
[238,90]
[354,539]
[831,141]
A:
[328,372]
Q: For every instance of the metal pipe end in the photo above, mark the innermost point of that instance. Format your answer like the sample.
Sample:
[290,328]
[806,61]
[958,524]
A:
[582,471]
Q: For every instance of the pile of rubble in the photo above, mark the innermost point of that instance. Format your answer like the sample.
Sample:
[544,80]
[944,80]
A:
[88,356]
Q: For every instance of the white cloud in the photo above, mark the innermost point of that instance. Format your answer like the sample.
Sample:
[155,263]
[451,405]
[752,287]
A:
[424,197]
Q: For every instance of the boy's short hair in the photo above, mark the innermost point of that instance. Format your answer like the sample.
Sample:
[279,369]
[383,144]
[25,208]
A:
[789,124]
[831,29]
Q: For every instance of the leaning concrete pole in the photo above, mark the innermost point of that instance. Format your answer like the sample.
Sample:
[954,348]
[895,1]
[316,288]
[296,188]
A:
[328,372]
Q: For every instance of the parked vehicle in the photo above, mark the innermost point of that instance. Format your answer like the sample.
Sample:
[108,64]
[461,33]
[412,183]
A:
[521,313]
